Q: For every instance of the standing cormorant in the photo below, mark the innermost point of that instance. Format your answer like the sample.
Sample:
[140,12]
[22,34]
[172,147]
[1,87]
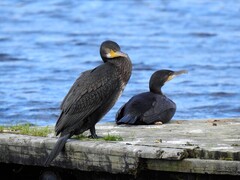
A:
[150,107]
[92,95]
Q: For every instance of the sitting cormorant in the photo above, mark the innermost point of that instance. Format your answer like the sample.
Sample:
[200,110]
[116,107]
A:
[150,107]
[92,95]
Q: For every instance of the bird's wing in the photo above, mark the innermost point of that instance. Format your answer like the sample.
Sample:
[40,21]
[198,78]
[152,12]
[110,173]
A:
[87,94]
[132,110]
[80,87]
[162,110]
[119,113]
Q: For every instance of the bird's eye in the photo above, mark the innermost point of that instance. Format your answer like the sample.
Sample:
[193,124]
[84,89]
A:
[112,50]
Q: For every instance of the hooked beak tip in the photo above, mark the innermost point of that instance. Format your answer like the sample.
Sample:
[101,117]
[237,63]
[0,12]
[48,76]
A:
[176,73]
[122,54]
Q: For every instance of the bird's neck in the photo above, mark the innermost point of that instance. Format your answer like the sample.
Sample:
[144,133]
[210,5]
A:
[156,90]
[124,67]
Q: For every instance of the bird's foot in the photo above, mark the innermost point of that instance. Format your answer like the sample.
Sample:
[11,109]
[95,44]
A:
[93,133]
[94,136]
[158,123]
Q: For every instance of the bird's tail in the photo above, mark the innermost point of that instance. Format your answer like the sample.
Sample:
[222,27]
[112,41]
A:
[128,119]
[57,148]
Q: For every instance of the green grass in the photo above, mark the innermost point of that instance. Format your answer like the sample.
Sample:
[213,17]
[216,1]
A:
[26,129]
[81,137]
[226,158]
[113,138]
[105,138]
[1,128]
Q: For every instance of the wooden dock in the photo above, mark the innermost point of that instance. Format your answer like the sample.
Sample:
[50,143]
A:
[196,148]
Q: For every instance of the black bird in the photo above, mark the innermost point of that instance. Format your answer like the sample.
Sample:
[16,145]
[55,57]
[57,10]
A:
[92,95]
[150,107]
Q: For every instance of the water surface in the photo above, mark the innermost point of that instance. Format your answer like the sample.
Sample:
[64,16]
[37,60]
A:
[45,45]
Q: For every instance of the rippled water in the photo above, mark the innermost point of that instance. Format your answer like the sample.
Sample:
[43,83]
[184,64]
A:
[45,45]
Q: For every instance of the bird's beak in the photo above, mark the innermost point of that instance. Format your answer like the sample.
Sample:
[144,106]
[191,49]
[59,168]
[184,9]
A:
[113,54]
[176,73]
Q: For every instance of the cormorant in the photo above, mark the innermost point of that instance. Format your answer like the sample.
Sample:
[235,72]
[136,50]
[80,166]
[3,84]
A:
[150,107]
[92,95]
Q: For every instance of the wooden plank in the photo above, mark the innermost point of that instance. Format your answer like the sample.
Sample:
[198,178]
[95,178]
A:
[200,166]
[209,146]
[112,157]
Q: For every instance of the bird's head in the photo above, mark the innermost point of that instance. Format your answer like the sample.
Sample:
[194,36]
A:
[110,50]
[160,77]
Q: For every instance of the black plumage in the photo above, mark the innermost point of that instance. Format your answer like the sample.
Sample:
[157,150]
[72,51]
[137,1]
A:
[92,95]
[150,107]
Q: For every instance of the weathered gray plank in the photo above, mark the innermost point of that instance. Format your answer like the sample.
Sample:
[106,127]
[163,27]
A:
[200,166]
[210,146]
[113,157]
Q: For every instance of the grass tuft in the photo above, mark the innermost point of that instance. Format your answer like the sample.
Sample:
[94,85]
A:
[80,137]
[1,128]
[105,138]
[113,138]
[26,129]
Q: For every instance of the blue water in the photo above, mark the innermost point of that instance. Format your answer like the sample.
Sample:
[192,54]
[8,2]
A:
[45,45]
